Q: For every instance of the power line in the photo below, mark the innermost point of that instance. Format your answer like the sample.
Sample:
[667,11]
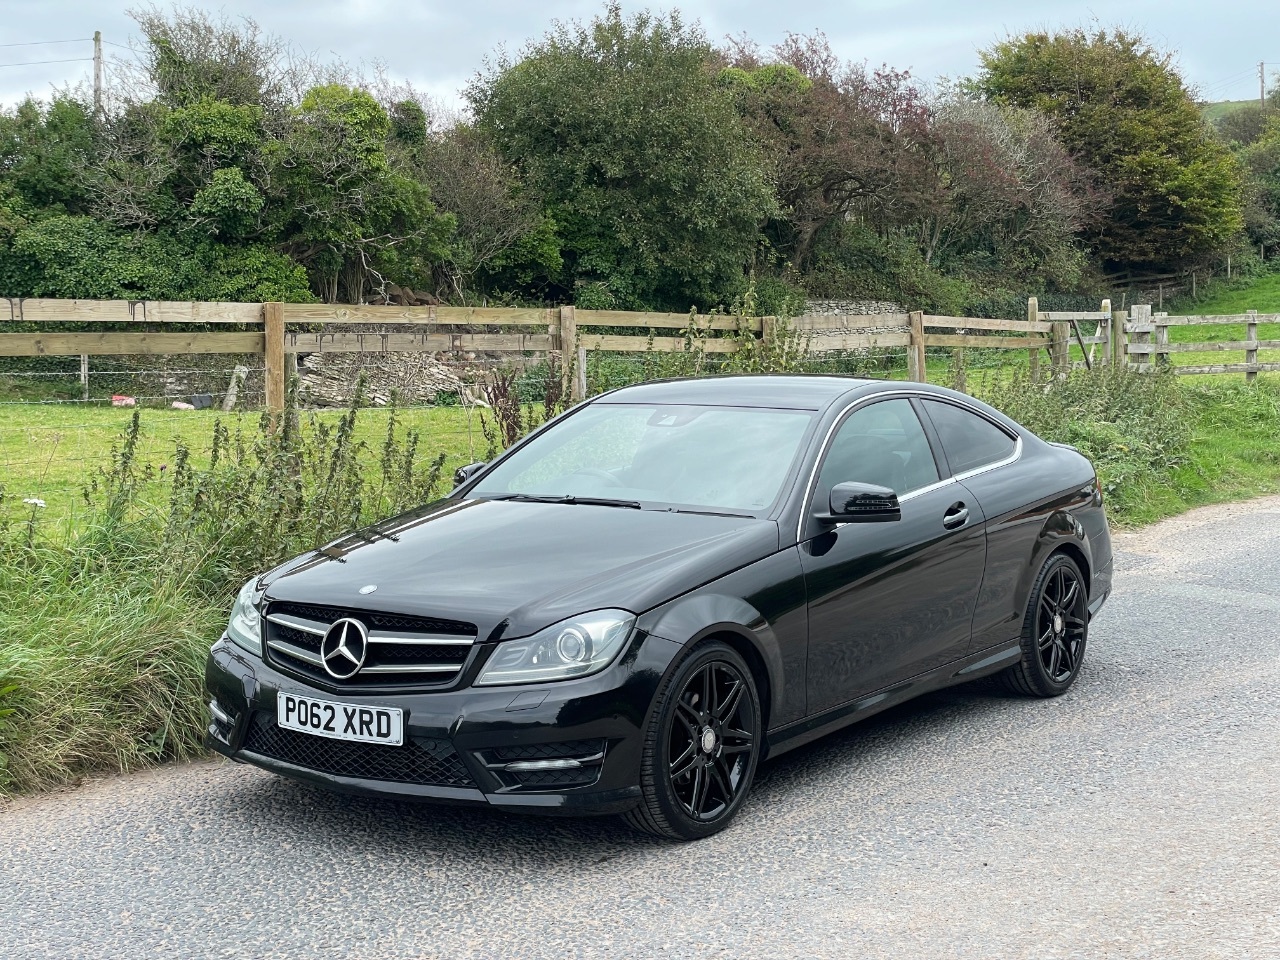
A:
[44,43]
[34,63]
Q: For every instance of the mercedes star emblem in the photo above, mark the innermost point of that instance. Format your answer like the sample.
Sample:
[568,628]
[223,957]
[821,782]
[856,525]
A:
[343,648]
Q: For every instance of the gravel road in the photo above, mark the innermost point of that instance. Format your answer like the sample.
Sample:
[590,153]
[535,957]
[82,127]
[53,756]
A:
[1135,817]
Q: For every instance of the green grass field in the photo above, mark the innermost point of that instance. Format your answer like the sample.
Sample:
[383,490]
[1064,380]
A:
[1218,110]
[50,452]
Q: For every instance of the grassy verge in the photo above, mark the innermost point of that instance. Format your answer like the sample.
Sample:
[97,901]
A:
[53,452]
[110,595]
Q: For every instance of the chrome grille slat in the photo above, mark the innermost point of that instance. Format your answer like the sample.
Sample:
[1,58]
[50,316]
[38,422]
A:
[424,641]
[413,668]
[290,650]
[298,623]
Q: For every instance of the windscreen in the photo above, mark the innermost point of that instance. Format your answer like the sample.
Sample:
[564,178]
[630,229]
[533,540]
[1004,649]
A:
[729,458]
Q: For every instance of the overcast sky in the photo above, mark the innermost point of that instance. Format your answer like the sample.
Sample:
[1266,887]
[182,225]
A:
[438,46]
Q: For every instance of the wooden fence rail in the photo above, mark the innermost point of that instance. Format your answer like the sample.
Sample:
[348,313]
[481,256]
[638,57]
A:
[277,330]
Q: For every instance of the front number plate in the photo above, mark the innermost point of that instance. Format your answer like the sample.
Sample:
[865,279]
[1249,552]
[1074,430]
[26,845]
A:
[340,721]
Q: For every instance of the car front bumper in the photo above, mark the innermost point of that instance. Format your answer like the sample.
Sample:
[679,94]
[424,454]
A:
[507,747]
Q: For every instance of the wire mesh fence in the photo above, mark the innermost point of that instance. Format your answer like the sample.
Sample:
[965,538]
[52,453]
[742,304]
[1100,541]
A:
[463,381]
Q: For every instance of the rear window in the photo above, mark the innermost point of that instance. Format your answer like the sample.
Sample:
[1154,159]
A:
[969,441]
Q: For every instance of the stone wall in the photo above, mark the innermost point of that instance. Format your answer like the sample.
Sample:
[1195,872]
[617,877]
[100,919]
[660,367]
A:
[851,307]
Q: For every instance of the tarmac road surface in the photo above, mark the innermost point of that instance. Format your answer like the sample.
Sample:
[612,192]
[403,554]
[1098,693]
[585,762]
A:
[1135,817]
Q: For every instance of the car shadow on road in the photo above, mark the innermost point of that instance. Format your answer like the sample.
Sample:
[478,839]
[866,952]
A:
[292,812]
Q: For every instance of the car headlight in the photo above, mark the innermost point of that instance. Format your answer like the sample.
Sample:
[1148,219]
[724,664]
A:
[571,648]
[245,628]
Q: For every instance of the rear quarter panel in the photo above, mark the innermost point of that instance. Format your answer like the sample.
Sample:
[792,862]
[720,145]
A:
[1043,502]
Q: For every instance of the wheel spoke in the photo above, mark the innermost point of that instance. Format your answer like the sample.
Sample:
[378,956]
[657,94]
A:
[1054,656]
[729,707]
[684,763]
[687,715]
[735,741]
[706,689]
[722,782]
[700,783]
[1074,622]
[1046,638]
[1067,658]
[1068,601]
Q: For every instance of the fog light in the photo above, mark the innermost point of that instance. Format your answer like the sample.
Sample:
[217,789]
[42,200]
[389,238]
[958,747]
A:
[222,722]
[528,766]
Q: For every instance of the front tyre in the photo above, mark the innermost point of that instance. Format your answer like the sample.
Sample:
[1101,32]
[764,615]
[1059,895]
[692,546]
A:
[701,746]
[1054,632]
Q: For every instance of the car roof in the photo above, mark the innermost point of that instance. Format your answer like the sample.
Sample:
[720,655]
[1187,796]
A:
[784,391]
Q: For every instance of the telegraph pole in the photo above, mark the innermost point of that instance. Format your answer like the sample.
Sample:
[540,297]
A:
[1262,84]
[97,72]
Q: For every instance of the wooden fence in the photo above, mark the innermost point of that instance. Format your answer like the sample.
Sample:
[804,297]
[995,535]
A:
[278,330]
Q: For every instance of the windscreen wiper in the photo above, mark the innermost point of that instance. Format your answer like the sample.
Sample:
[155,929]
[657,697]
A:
[711,513]
[568,498]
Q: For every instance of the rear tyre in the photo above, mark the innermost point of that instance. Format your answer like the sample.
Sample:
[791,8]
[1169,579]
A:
[1054,632]
[701,746]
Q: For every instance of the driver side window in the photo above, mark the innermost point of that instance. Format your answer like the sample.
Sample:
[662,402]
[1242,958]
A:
[882,444]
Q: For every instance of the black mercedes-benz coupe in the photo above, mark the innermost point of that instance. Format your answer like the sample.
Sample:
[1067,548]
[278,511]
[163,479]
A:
[632,607]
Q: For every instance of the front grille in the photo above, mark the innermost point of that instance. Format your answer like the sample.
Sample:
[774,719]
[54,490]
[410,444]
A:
[421,651]
[420,761]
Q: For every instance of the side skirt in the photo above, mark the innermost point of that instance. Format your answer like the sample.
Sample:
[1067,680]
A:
[980,664]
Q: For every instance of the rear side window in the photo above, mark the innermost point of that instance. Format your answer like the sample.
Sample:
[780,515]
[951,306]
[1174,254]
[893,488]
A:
[970,441]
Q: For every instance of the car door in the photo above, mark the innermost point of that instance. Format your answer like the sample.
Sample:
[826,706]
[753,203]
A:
[889,599]
[986,458]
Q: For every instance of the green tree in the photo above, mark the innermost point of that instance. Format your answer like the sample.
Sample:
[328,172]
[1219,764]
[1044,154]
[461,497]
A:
[348,214]
[650,177]
[843,141]
[1121,107]
[1261,160]
[45,151]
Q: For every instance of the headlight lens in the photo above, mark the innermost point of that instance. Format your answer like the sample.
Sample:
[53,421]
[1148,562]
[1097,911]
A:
[245,628]
[571,648]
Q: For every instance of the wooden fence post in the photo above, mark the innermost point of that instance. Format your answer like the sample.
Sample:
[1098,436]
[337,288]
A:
[273,329]
[1033,353]
[768,332]
[1061,347]
[570,354]
[1115,332]
[1161,341]
[1143,330]
[916,369]
[1251,335]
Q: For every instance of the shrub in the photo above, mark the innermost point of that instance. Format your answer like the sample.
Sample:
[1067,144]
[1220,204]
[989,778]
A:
[1133,426]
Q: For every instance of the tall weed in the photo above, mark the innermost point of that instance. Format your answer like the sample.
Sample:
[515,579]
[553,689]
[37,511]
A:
[103,638]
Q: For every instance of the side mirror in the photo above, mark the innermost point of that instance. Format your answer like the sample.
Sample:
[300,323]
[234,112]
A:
[863,503]
[463,474]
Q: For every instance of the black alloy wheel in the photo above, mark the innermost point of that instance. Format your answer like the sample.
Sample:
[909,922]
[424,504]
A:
[1054,633]
[701,746]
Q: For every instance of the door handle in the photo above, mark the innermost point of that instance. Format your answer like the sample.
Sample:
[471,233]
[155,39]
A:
[957,515]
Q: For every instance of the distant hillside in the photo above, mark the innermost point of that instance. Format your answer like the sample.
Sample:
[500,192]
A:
[1218,110]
